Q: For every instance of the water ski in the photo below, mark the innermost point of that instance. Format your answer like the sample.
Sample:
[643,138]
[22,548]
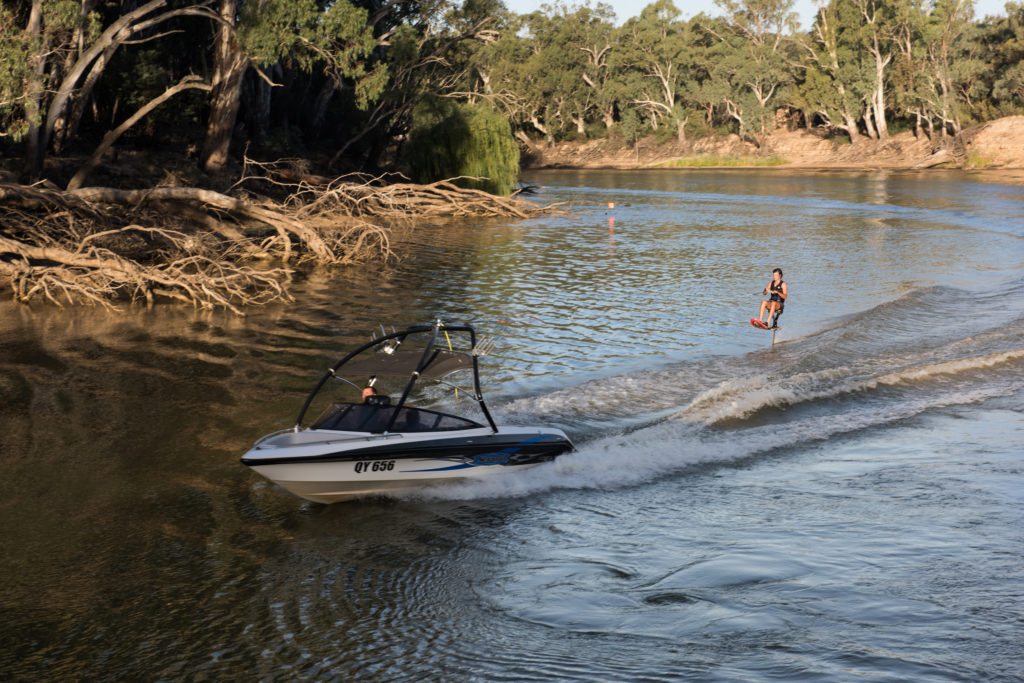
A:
[757,323]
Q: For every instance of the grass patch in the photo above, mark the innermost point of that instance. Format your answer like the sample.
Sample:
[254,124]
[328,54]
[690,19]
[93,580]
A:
[975,160]
[716,160]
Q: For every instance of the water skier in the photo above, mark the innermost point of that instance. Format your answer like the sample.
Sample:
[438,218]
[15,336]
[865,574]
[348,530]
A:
[774,304]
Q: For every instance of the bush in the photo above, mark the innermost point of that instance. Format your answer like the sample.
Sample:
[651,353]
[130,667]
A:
[596,130]
[450,139]
[899,125]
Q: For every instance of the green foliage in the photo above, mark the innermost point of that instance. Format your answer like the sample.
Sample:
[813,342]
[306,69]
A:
[631,127]
[663,134]
[13,73]
[450,139]
[22,50]
[335,37]
[1001,46]
[145,76]
[901,125]
[596,131]
[347,89]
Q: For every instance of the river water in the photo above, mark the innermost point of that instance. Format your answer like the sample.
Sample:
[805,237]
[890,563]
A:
[847,504]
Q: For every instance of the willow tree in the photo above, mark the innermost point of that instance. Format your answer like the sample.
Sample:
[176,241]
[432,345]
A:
[472,143]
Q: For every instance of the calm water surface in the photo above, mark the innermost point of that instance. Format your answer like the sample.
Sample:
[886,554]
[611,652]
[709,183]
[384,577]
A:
[847,505]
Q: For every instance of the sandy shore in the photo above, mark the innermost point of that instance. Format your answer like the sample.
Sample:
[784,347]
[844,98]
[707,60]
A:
[997,144]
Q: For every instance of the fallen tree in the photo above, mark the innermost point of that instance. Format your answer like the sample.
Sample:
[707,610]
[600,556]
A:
[209,249]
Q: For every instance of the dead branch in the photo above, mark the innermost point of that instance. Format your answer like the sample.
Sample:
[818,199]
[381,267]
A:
[360,195]
[111,137]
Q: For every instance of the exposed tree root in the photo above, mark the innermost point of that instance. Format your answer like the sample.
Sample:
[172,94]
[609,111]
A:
[361,195]
[100,245]
[97,275]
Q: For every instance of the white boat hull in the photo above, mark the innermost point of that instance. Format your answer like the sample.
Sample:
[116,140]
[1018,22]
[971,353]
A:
[329,467]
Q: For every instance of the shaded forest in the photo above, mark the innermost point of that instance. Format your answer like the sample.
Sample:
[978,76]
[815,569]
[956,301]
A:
[238,120]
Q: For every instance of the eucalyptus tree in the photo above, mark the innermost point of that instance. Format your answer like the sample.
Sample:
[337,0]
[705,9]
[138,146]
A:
[427,49]
[909,79]
[65,47]
[936,73]
[513,72]
[23,49]
[755,60]
[875,37]
[654,58]
[335,37]
[704,95]
[1001,41]
[953,64]
[537,70]
[591,31]
[833,87]
[556,68]
[496,72]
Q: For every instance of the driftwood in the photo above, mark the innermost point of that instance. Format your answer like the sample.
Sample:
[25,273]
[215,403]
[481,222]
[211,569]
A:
[210,249]
[943,156]
[96,275]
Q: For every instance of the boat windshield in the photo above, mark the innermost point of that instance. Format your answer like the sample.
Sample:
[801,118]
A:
[362,417]
[404,362]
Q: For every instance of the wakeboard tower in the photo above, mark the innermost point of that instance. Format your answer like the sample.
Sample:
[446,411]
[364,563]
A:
[373,445]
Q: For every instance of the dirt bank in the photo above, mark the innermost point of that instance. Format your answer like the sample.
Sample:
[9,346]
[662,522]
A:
[997,144]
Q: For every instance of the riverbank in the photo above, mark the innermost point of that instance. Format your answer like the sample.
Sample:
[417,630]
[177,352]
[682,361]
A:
[998,144]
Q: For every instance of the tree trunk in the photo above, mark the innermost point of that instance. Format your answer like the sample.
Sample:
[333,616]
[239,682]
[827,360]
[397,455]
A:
[319,113]
[879,114]
[34,148]
[609,117]
[535,122]
[579,121]
[116,33]
[230,63]
[851,127]
[869,124]
[525,139]
[256,96]
[878,103]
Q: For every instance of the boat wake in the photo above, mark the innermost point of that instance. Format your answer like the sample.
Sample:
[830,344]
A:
[642,426]
[740,399]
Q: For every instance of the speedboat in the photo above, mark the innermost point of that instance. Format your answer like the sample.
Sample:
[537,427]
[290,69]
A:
[364,443]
